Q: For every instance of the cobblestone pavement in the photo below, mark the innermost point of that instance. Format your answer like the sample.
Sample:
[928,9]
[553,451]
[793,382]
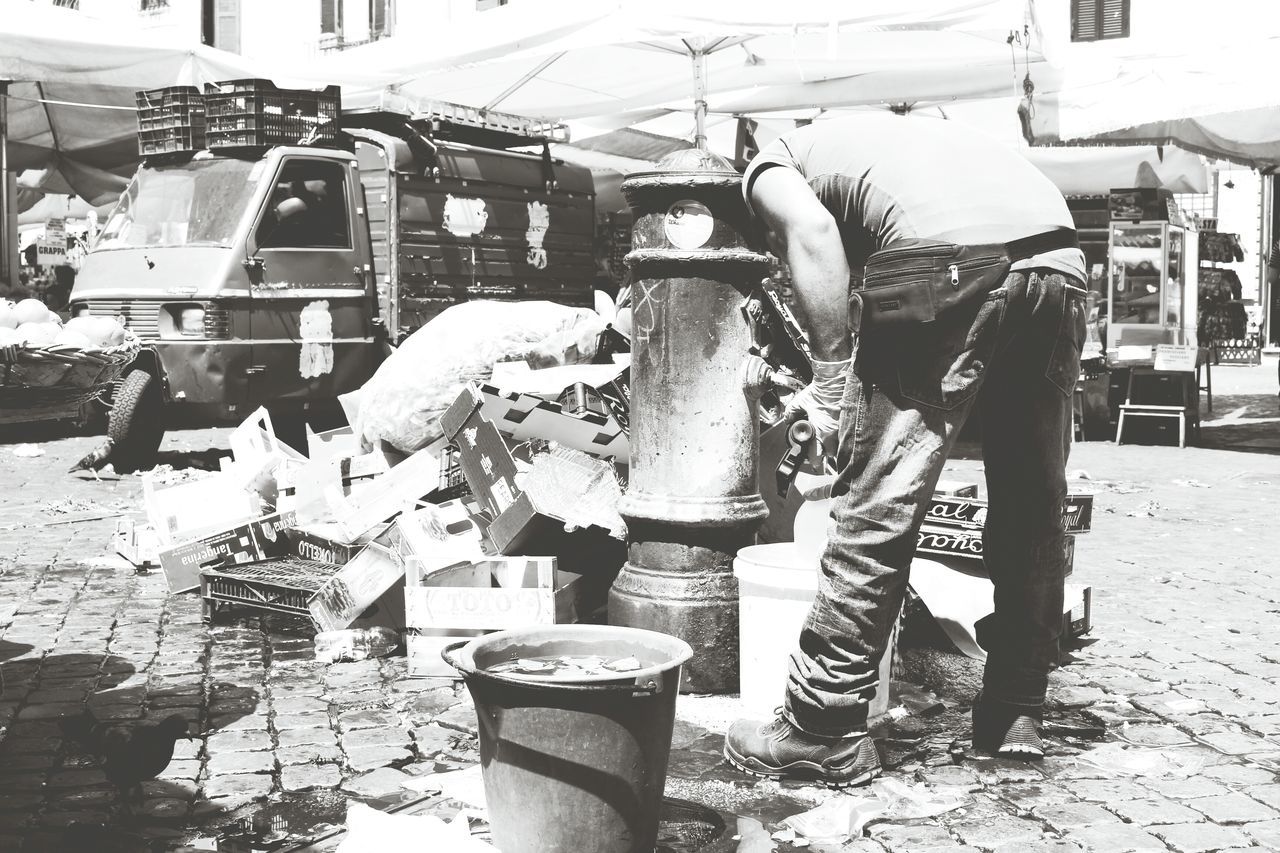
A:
[1183,664]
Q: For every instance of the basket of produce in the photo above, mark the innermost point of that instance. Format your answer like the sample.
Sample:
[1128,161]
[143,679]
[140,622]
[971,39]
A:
[46,365]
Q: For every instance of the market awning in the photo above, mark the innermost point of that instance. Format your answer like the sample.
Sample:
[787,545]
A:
[597,59]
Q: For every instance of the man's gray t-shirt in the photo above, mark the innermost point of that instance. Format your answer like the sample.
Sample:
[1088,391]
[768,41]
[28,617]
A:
[887,178]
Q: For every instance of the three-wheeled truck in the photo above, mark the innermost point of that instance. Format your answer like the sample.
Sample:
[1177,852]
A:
[281,275]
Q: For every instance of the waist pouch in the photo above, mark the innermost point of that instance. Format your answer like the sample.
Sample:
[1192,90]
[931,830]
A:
[919,281]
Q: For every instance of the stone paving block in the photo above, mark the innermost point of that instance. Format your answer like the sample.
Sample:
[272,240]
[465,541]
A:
[299,737]
[308,754]
[367,719]
[1233,808]
[188,749]
[1154,811]
[1268,794]
[384,736]
[377,783]
[1115,838]
[368,757]
[946,774]
[1029,797]
[238,742]
[1200,837]
[1075,697]
[243,787]
[170,789]
[239,723]
[917,836]
[27,803]
[1236,742]
[1108,790]
[228,763]
[460,717]
[1241,774]
[50,711]
[1064,816]
[284,722]
[1265,832]
[297,704]
[77,779]
[1184,789]
[997,829]
[427,704]
[357,699]
[309,776]
[164,809]
[1155,735]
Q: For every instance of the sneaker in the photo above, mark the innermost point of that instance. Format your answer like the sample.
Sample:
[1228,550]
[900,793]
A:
[778,750]
[1006,734]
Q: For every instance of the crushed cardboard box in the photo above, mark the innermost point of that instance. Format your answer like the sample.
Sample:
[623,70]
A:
[250,542]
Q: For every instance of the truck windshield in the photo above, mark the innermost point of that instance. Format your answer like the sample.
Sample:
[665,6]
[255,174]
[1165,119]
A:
[197,203]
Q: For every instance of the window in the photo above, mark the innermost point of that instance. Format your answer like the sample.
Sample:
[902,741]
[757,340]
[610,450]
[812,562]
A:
[152,5]
[67,4]
[220,23]
[198,203]
[308,209]
[331,17]
[1094,20]
[379,19]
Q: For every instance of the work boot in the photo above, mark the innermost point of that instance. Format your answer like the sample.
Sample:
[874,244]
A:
[1006,733]
[778,750]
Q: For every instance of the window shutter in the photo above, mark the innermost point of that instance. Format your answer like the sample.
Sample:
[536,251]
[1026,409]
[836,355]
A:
[1092,20]
[378,14]
[227,25]
[329,16]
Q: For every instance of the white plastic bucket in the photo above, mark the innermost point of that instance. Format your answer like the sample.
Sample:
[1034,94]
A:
[776,587]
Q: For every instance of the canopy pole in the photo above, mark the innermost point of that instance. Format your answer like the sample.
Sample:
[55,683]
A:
[8,233]
[700,98]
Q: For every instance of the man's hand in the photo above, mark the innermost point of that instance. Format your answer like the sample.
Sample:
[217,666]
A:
[819,404]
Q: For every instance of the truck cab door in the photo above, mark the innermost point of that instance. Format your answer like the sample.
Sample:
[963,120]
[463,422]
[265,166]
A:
[311,305]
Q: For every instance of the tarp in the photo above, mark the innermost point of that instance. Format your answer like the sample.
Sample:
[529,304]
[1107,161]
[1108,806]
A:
[71,95]
[571,60]
[1202,78]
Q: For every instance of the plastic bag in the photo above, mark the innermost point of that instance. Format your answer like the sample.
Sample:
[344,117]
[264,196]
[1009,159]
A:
[404,399]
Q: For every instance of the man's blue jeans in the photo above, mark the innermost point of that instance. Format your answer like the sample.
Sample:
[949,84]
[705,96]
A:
[1017,357]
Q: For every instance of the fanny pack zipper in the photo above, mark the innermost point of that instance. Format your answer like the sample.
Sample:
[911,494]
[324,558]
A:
[953,271]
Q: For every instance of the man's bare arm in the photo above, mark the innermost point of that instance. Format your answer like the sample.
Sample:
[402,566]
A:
[810,244]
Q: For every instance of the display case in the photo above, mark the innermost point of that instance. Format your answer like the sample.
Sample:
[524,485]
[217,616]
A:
[1152,293]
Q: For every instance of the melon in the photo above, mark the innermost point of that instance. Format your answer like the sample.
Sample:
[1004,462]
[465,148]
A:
[39,334]
[31,311]
[72,338]
[84,324]
[8,320]
[9,336]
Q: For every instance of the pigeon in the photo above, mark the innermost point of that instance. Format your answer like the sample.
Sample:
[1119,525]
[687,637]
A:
[96,460]
[129,756]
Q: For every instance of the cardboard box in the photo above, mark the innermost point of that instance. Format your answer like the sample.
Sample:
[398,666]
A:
[250,542]
[137,543]
[526,416]
[561,486]
[437,537]
[357,586]
[196,508]
[949,541]
[322,544]
[971,512]
[1077,617]
[491,595]
[954,489]
[355,494]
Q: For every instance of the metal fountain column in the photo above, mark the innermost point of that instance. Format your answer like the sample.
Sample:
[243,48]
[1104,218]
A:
[692,500]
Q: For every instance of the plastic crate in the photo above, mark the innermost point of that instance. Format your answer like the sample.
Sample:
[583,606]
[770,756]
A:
[170,119]
[253,112]
[282,585]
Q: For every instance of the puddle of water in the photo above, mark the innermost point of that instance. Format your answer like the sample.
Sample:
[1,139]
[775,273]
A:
[685,827]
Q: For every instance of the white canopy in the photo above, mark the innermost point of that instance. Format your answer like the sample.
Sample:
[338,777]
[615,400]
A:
[631,59]
[71,94]
[1202,78]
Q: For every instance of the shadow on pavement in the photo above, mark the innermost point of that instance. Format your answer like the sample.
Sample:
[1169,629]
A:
[60,779]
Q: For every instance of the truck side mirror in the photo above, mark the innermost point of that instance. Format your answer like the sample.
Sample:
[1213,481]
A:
[255,266]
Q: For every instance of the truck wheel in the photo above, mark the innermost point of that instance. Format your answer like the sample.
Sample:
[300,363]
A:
[135,424]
